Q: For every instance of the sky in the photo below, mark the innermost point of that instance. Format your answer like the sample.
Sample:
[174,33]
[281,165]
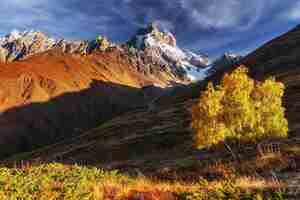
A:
[207,26]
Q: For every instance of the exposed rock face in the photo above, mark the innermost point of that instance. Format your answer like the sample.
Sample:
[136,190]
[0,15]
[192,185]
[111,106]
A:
[152,47]
[20,45]
[156,34]
[147,65]
[3,54]
[75,47]
[228,59]
[161,48]
[166,37]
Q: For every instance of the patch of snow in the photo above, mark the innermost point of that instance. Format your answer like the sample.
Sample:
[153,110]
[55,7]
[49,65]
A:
[14,35]
[190,54]
[174,53]
[150,41]
[195,73]
[232,56]
[202,58]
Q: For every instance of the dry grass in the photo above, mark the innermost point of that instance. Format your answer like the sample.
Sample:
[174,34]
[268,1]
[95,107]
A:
[60,182]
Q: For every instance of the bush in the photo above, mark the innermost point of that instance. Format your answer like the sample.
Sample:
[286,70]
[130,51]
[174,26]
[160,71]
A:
[102,42]
[239,108]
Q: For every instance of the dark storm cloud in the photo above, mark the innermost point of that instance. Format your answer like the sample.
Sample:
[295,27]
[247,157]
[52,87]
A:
[212,26]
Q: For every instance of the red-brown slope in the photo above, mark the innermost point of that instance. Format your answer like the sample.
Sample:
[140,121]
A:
[54,73]
[53,95]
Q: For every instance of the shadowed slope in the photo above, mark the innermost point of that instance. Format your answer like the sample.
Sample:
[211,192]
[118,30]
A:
[138,136]
[52,96]
[33,125]
[280,55]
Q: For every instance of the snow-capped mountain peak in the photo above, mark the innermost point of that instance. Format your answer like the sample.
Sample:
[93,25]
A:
[162,46]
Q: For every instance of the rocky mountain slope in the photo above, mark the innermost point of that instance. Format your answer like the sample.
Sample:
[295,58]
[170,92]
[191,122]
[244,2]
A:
[161,46]
[54,95]
[149,46]
[162,137]
[20,45]
[54,89]
[226,60]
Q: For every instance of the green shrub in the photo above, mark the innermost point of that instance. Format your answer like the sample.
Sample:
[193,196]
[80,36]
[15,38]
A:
[229,191]
[239,108]
[102,42]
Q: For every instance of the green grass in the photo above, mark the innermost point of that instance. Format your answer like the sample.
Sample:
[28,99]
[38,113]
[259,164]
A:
[53,181]
[72,182]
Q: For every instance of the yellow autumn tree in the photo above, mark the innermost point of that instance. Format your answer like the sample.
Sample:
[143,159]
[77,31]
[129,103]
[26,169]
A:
[239,108]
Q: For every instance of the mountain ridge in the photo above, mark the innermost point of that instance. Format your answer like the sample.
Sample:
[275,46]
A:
[161,49]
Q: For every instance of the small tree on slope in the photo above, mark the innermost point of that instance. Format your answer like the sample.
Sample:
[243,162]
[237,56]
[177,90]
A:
[239,108]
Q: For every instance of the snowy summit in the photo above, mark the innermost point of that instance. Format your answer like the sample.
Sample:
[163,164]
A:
[162,46]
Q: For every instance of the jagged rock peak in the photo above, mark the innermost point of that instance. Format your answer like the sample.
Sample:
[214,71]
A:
[152,33]
[226,60]
[19,45]
[161,47]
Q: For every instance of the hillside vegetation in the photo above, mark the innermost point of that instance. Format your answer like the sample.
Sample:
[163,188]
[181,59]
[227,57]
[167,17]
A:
[65,182]
[249,172]
[240,109]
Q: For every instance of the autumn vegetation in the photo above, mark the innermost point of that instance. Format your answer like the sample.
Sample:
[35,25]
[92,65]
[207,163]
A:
[72,182]
[240,108]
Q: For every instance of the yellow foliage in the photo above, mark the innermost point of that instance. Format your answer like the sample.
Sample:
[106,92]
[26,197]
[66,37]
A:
[239,108]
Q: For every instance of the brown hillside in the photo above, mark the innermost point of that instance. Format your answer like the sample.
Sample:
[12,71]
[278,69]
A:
[277,56]
[52,95]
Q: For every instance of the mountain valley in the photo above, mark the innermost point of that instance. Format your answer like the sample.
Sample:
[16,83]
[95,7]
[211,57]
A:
[128,106]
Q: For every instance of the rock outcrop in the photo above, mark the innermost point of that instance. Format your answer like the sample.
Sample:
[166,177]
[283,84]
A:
[225,61]
[21,45]
[3,54]
[160,47]
[149,46]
